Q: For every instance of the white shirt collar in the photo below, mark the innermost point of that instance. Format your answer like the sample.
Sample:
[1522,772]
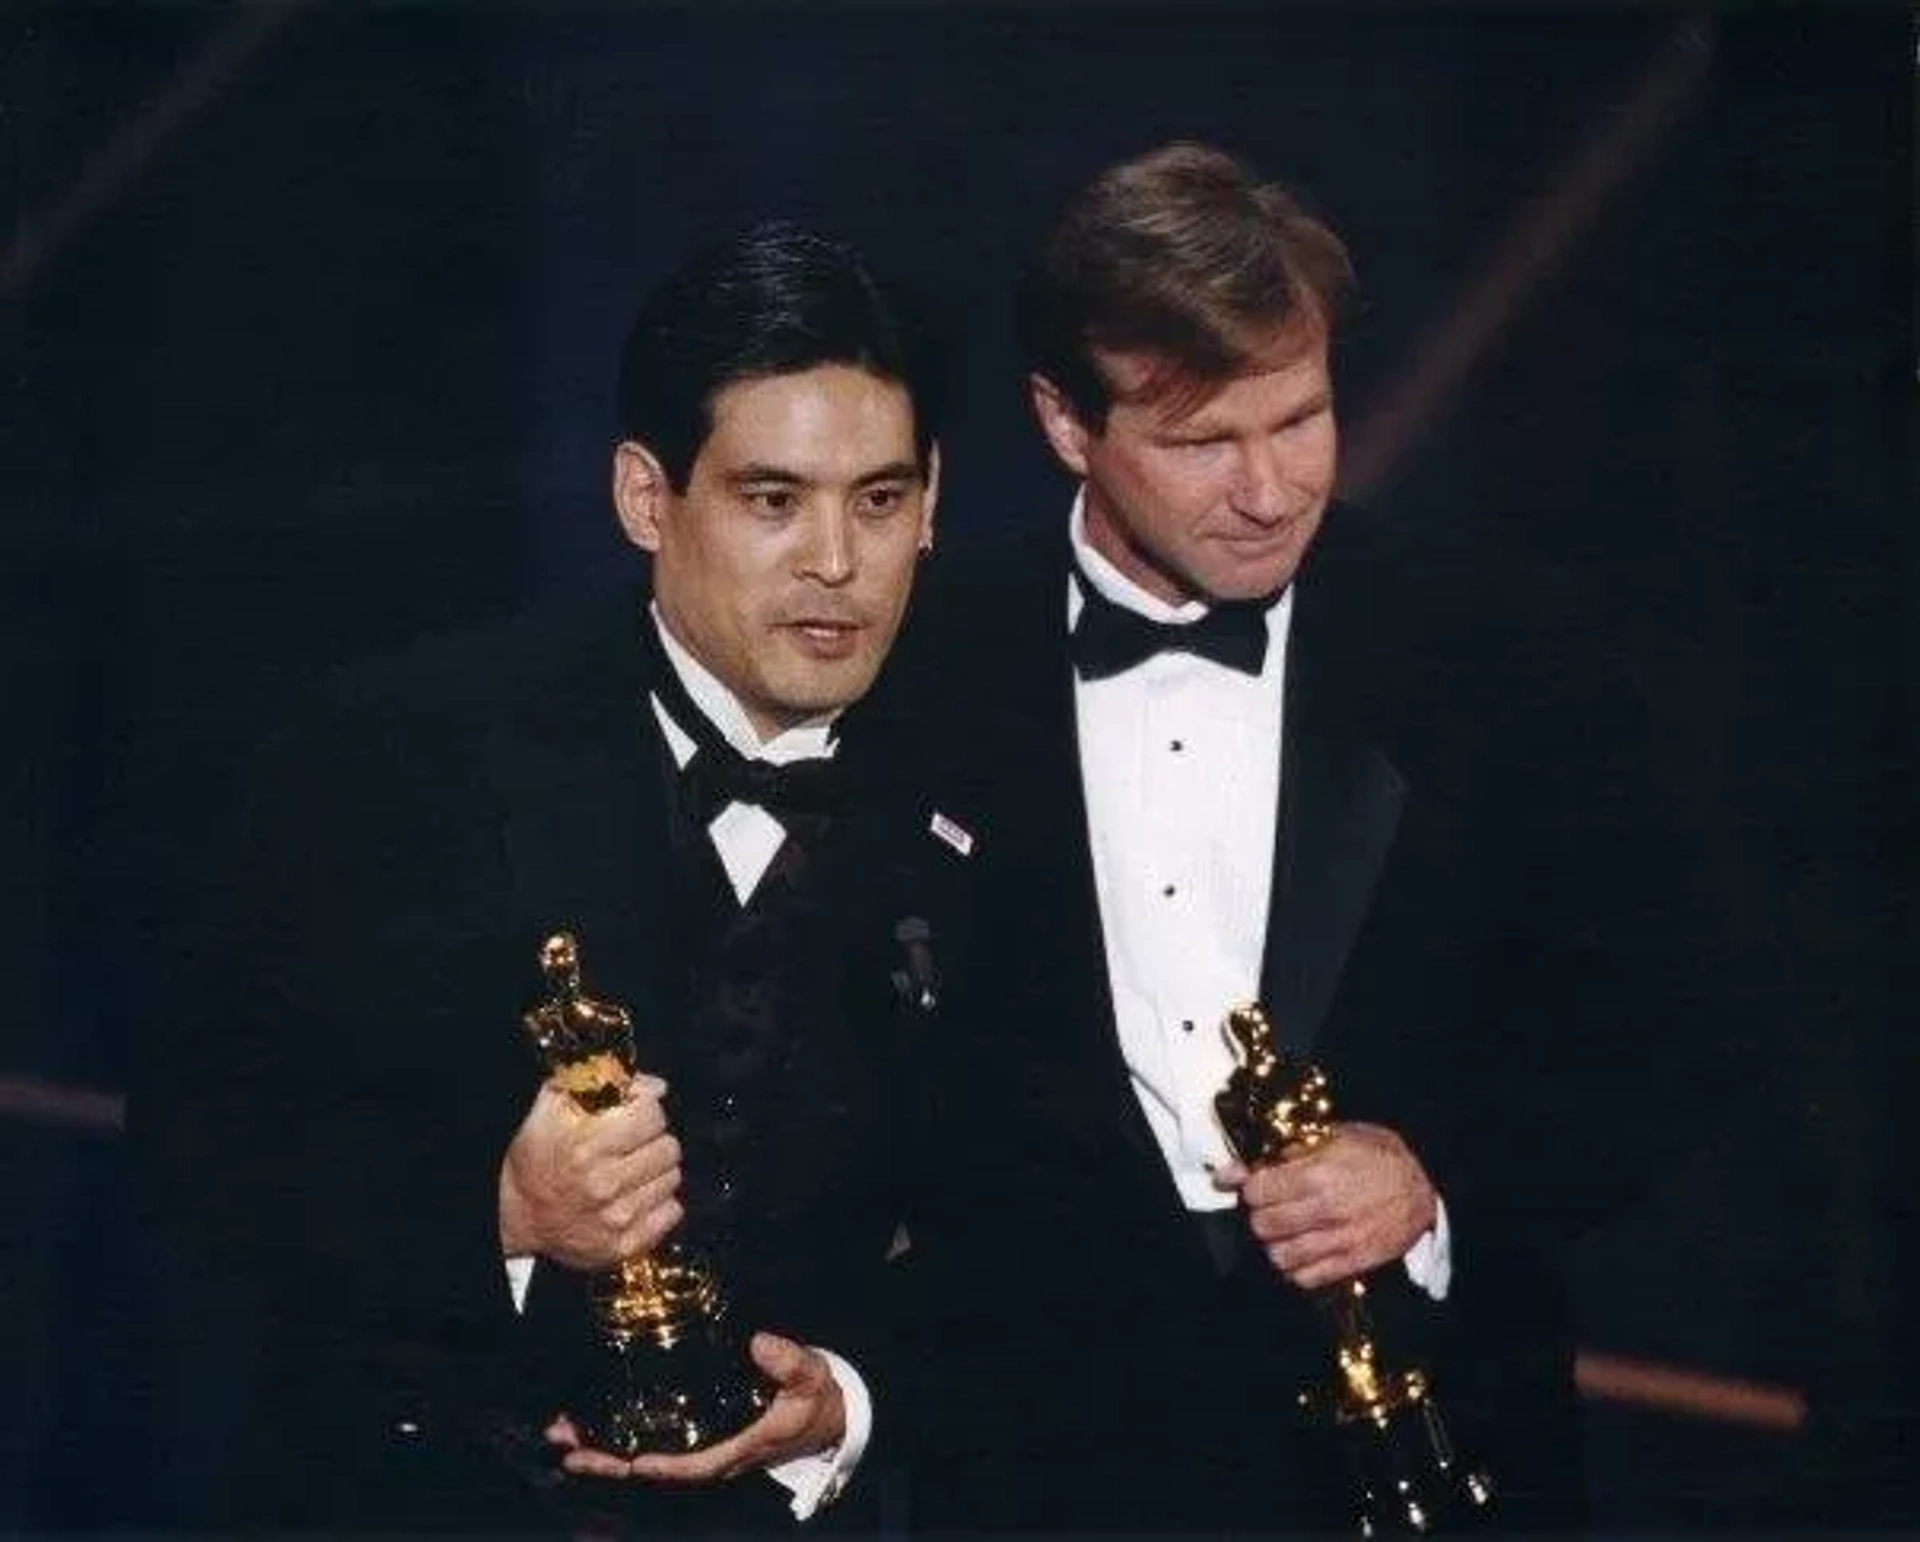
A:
[812,740]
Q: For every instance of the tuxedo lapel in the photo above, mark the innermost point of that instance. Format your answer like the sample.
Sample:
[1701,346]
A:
[1340,803]
[1048,816]
[890,878]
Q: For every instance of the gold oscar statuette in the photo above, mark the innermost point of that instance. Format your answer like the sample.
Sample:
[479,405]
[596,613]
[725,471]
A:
[1409,1479]
[675,1374]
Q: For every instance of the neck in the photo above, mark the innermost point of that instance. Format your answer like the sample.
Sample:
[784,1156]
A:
[1129,559]
[743,727]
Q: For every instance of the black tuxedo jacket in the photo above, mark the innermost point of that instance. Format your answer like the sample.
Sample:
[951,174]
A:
[352,1066]
[1478,927]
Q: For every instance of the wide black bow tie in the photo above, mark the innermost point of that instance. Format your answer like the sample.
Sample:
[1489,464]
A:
[1109,639]
[718,775]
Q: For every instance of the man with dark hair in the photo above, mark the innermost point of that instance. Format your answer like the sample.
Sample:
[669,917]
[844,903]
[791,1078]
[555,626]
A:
[361,1127]
[1233,750]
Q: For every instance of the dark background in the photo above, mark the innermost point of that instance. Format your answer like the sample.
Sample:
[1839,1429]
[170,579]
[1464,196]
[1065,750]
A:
[309,321]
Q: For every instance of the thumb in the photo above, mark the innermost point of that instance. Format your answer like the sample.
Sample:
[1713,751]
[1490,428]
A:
[784,1361]
[1229,1175]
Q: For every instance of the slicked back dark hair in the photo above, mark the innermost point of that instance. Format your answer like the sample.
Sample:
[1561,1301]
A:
[776,299]
[1185,255]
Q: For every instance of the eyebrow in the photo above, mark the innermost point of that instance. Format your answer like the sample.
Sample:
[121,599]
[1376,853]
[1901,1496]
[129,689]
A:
[893,471]
[1198,429]
[756,471]
[783,476]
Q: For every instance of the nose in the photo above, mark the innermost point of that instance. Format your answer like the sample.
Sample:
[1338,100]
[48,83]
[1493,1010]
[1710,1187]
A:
[828,557]
[1261,490]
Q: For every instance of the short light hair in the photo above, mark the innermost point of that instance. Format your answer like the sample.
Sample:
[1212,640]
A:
[1183,254]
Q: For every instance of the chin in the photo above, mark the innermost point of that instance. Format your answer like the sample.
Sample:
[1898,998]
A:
[815,697]
[1256,580]
[1246,584]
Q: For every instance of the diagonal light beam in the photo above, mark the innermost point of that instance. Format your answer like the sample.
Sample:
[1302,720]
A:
[40,236]
[37,1100]
[1537,237]
[1674,1389]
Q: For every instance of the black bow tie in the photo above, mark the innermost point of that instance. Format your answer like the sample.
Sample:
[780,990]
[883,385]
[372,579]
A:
[1109,639]
[718,775]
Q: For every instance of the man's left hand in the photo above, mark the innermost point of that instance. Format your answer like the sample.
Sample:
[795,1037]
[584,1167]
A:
[806,1417]
[1356,1202]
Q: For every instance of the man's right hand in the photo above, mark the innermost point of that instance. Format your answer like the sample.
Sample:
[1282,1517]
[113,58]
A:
[588,1190]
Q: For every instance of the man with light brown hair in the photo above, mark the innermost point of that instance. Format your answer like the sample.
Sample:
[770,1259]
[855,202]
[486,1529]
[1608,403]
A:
[1233,749]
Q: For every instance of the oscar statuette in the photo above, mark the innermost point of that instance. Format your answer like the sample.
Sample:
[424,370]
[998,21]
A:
[674,1373]
[1408,1477]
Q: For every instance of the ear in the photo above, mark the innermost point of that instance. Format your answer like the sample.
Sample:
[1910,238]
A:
[1060,423]
[640,493]
[929,498]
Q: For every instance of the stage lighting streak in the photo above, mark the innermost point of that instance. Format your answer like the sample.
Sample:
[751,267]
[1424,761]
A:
[40,236]
[75,1108]
[1673,1389]
[1532,243]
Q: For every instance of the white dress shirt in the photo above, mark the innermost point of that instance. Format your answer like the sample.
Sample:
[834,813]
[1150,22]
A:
[1180,760]
[746,838]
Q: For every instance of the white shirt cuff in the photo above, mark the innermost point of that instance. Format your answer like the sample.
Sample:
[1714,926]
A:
[817,1480]
[1430,1260]
[519,1277]
[813,1480]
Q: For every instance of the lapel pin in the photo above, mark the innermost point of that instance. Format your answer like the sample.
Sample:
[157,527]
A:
[959,838]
